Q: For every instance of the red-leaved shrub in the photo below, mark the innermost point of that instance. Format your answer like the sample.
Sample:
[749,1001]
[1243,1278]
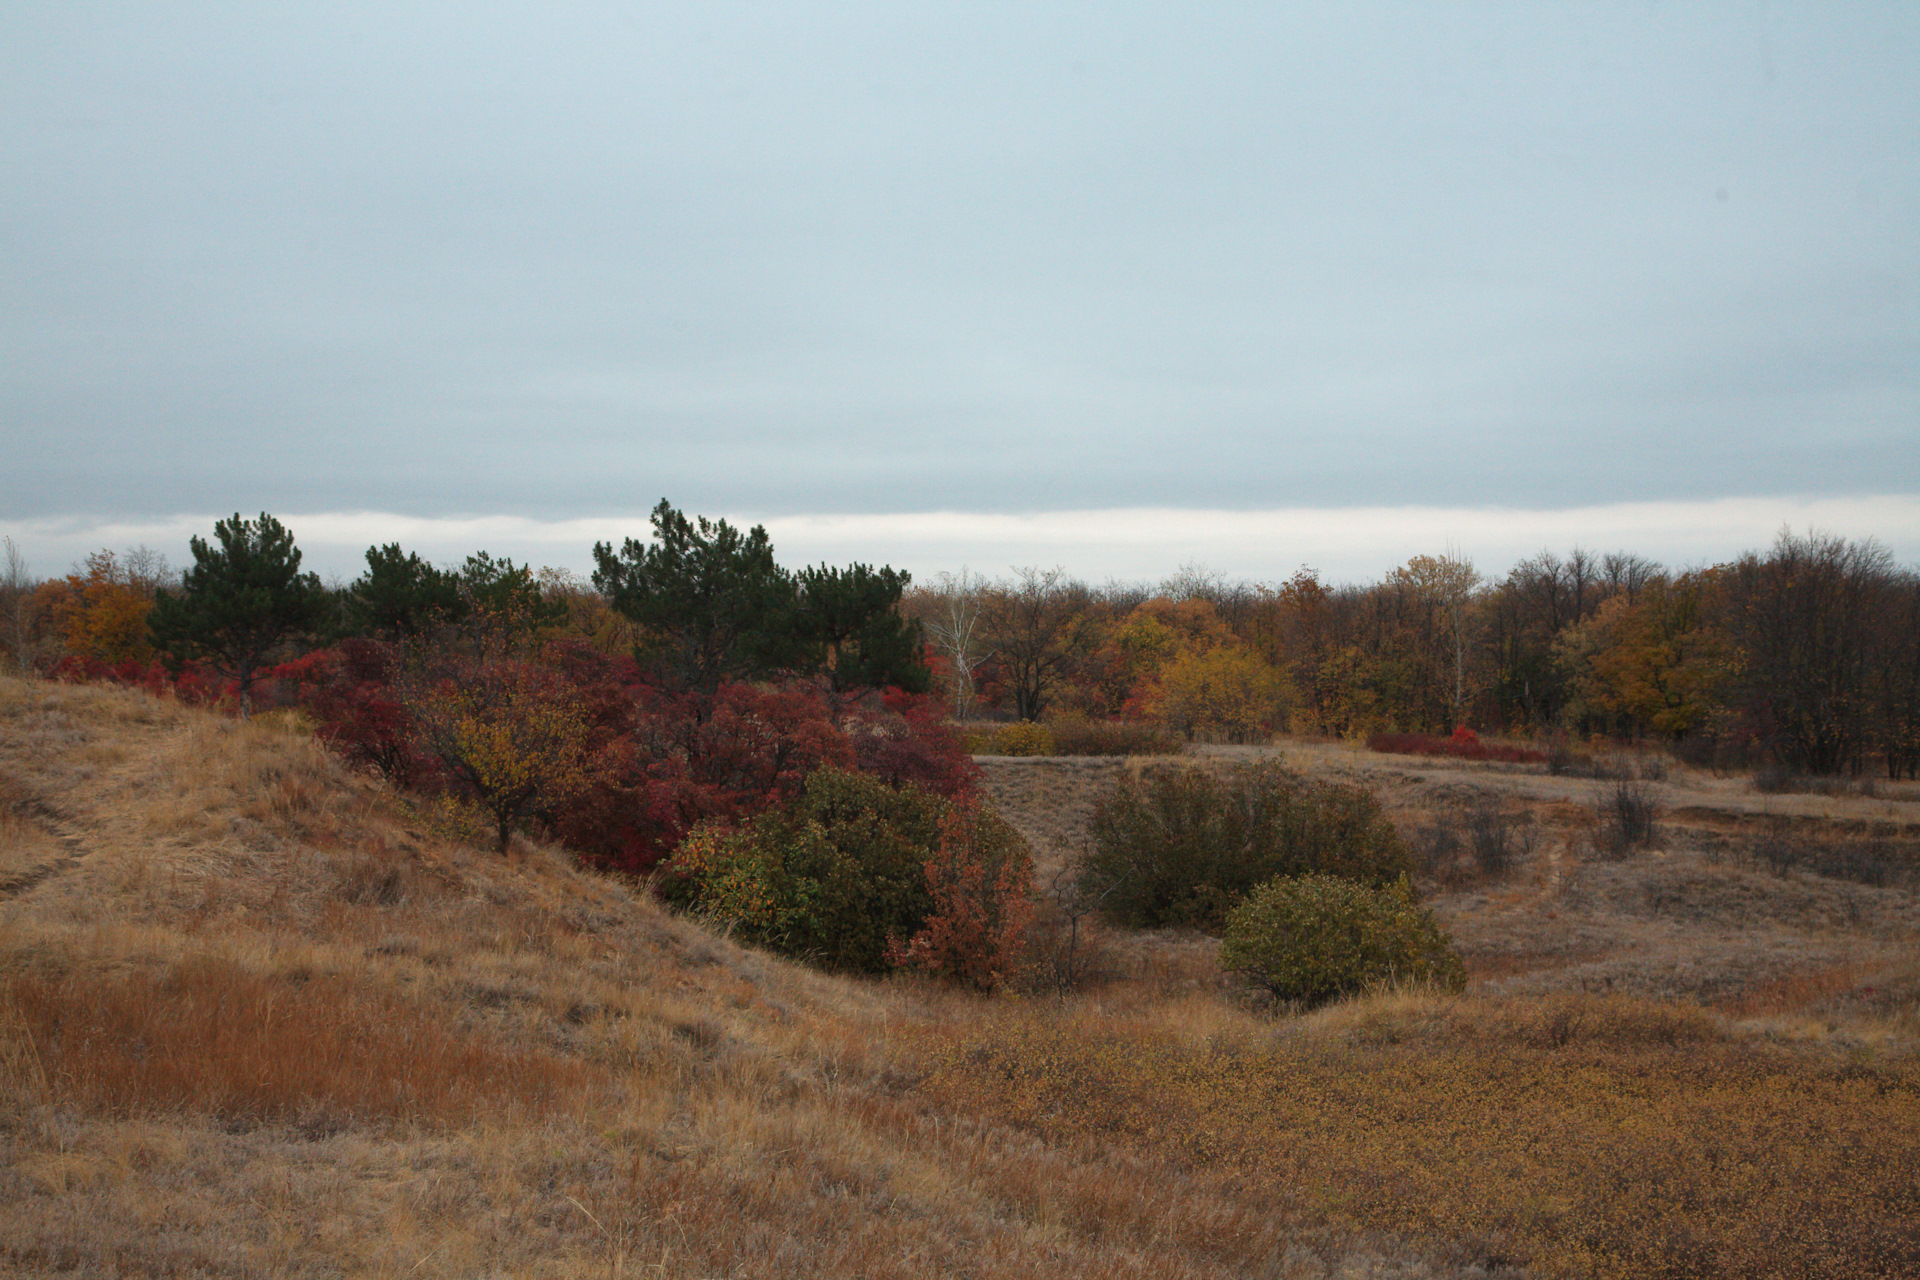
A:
[681,758]
[665,760]
[191,684]
[1463,744]
[980,879]
[348,690]
[907,741]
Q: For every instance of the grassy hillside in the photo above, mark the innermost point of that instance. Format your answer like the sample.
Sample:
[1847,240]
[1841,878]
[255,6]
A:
[257,1017]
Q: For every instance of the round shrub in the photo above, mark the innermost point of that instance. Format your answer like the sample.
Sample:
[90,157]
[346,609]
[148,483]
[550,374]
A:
[1182,846]
[840,876]
[1314,938]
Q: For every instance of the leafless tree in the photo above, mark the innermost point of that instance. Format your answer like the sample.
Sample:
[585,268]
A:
[146,570]
[1581,573]
[16,585]
[1895,692]
[1624,572]
[950,611]
[1808,616]
[1073,898]
[1193,581]
[1036,624]
[1120,598]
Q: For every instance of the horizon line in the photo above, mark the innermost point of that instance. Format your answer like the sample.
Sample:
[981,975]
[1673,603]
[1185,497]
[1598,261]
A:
[1141,543]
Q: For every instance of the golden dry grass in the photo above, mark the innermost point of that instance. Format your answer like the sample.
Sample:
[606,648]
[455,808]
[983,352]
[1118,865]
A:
[257,1018]
[1594,1137]
[205,1036]
[25,846]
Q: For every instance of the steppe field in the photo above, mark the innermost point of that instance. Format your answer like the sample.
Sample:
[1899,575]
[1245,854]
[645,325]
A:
[258,1019]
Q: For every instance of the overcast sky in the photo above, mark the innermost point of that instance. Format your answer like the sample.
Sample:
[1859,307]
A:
[1257,285]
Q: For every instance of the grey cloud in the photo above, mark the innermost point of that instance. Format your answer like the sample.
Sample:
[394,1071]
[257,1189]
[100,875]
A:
[792,258]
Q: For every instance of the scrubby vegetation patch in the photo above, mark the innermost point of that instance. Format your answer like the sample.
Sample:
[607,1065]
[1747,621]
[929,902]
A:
[1183,846]
[863,877]
[1313,938]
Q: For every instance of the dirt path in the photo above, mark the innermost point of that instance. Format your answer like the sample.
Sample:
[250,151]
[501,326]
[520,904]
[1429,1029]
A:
[71,787]
[39,843]
[1681,790]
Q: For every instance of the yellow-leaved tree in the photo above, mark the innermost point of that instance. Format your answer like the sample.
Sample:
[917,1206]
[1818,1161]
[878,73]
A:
[1447,583]
[511,732]
[1226,691]
[1130,653]
[1651,661]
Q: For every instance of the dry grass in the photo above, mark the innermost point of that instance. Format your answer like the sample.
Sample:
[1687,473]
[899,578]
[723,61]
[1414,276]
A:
[1590,1137]
[207,1037]
[25,845]
[257,1017]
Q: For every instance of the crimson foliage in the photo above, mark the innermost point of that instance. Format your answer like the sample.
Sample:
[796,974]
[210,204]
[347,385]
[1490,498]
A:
[688,756]
[348,690]
[1464,744]
[673,757]
[906,741]
[190,684]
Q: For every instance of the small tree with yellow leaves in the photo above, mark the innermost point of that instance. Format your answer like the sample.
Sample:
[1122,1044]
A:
[509,732]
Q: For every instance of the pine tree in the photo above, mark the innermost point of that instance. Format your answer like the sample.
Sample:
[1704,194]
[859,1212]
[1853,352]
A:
[238,602]
[852,619]
[711,598]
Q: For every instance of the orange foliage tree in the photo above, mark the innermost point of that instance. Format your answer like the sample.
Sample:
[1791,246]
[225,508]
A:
[100,615]
[1652,662]
[981,885]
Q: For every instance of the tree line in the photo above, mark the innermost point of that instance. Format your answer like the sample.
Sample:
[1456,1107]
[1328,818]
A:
[1806,653]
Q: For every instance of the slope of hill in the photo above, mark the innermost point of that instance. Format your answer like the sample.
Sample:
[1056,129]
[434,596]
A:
[257,1017]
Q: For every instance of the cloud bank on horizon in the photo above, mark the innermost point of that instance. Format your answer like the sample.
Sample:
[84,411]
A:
[1008,284]
[1136,545]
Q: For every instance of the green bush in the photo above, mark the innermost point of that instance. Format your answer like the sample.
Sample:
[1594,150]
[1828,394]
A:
[1314,938]
[840,874]
[1183,846]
